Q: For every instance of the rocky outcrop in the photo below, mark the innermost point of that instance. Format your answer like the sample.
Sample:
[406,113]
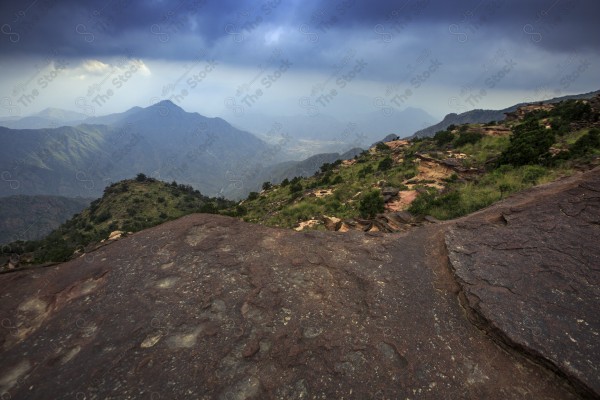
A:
[520,113]
[530,275]
[208,307]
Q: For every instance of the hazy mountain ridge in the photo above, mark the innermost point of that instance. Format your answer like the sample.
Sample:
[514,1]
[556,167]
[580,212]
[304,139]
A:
[305,168]
[328,134]
[48,118]
[161,140]
[483,116]
[33,217]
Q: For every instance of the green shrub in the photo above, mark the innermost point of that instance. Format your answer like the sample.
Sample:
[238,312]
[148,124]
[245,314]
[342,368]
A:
[337,180]
[467,138]
[443,137]
[326,167]
[380,146]
[410,174]
[532,173]
[252,196]
[585,144]
[209,208]
[365,171]
[104,216]
[385,164]
[371,204]
[529,144]
[94,205]
[333,206]
[296,187]
[572,110]
[141,177]
[423,203]
[240,210]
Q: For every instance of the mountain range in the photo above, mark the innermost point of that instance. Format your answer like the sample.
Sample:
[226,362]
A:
[47,118]
[64,153]
[162,141]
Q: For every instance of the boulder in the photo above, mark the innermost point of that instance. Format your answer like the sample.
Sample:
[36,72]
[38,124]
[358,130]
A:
[115,235]
[332,223]
[390,191]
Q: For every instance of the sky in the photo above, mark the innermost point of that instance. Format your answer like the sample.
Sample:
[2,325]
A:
[340,58]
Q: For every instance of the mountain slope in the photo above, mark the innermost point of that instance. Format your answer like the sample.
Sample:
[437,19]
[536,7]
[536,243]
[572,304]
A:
[305,168]
[129,206]
[455,173]
[33,217]
[483,116]
[162,141]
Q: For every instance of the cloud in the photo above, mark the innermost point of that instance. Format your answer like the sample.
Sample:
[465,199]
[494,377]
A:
[553,45]
[163,29]
[95,67]
[92,69]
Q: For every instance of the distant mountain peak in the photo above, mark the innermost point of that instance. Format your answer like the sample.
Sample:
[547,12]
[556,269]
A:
[60,114]
[168,104]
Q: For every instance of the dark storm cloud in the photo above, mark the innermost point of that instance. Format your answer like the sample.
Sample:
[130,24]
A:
[176,29]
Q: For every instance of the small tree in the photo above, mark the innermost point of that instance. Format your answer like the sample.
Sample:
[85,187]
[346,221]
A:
[326,167]
[365,171]
[529,144]
[240,210]
[266,185]
[141,177]
[385,164]
[296,187]
[371,204]
[337,179]
[443,137]
[252,196]
[285,182]
[467,138]
[380,146]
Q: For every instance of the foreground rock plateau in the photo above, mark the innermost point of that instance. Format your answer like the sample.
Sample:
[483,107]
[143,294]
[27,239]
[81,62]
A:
[502,304]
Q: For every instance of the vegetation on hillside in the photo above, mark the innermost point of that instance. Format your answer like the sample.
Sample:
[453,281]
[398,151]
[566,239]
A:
[128,206]
[543,146]
[458,171]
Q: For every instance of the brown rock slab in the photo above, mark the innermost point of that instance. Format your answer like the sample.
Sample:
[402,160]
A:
[530,273]
[209,307]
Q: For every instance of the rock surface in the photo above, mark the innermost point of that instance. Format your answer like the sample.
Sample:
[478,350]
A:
[208,307]
[531,273]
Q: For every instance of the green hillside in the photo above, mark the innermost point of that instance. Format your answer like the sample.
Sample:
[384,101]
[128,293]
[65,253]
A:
[460,170]
[128,206]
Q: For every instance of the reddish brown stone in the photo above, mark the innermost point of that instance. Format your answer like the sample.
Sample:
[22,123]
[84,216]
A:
[208,307]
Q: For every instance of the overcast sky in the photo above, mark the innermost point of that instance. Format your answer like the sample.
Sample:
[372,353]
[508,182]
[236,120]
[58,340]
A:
[294,57]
